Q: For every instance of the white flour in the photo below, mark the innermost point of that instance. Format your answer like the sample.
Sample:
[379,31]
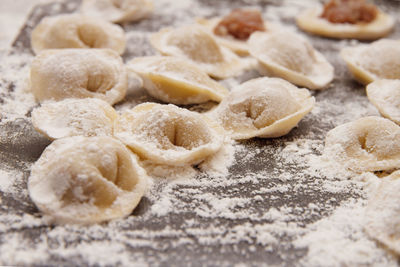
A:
[259,202]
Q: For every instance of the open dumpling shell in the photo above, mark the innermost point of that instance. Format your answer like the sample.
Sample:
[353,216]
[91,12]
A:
[310,21]
[240,47]
[177,81]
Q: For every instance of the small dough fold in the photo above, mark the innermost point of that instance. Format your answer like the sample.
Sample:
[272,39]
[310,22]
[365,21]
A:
[57,74]
[263,107]
[117,10]
[86,180]
[289,56]
[72,117]
[371,62]
[366,145]
[77,31]
[169,135]
[195,44]
[176,81]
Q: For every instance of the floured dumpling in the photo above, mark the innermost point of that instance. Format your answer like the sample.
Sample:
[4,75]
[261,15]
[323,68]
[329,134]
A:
[77,31]
[289,56]
[233,30]
[177,81]
[342,21]
[382,217]
[57,74]
[385,95]
[71,117]
[263,107]
[365,145]
[193,43]
[166,134]
[117,10]
[370,62]
[86,180]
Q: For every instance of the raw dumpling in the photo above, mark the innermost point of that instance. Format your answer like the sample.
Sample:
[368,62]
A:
[177,81]
[166,134]
[117,10]
[263,107]
[385,95]
[77,31]
[198,46]
[71,117]
[233,30]
[289,56]
[86,180]
[382,217]
[311,20]
[378,60]
[365,145]
[57,74]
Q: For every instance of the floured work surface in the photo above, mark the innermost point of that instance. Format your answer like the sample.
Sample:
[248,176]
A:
[277,204]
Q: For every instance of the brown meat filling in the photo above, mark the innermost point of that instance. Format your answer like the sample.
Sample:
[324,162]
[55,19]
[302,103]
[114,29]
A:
[240,24]
[349,11]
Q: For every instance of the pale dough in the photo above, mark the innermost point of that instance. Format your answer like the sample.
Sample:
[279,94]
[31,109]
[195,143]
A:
[177,81]
[57,74]
[86,180]
[77,31]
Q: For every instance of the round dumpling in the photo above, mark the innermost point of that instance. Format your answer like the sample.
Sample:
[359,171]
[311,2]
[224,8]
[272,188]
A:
[233,30]
[263,107]
[385,95]
[117,10]
[177,81]
[311,21]
[86,180]
[382,217]
[289,56]
[57,74]
[365,145]
[198,46]
[77,31]
[169,135]
[71,117]
[378,60]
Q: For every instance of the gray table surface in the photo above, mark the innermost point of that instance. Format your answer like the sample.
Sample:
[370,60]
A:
[20,154]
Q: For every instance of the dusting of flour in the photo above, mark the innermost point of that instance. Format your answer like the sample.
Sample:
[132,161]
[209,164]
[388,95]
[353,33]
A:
[257,202]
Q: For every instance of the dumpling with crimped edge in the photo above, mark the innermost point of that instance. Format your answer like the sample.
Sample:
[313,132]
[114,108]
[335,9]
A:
[263,107]
[370,62]
[289,56]
[366,145]
[71,117]
[382,216]
[77,31]
[311,21]
[238,45]
[195,44]
[57,74]
[385,95]
[86,180]
[117,10]
[177,81]
[169,135]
